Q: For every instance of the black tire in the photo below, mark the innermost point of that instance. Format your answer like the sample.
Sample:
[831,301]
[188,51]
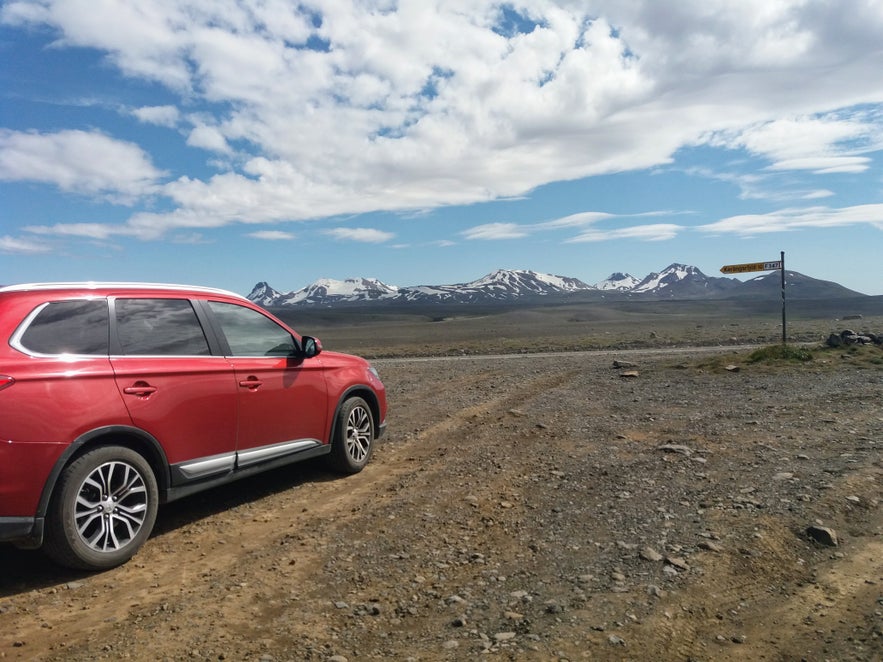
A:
[103,509]
[353,440]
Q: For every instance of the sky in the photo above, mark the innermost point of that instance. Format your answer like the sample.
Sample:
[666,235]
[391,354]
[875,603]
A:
[430,142]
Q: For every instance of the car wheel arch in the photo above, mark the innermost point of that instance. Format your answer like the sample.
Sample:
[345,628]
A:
[357,391]
[135,439]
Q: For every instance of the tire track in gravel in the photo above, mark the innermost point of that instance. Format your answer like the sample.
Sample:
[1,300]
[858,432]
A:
[707,617]
[427,454]
[255,568]
[822,607]
[770,606]
[198,556]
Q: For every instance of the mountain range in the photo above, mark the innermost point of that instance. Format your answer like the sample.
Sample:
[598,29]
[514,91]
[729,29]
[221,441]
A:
[677,281]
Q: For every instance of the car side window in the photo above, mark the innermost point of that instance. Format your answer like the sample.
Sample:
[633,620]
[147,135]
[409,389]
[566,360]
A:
[251,334]
[68,327]
[159,327]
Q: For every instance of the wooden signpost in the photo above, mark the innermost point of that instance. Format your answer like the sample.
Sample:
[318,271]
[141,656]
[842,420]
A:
[762,266]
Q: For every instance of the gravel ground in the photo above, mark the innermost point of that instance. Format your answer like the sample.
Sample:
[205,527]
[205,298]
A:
[558,507]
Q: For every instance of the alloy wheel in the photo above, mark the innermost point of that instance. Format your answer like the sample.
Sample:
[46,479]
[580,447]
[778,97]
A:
[111,506]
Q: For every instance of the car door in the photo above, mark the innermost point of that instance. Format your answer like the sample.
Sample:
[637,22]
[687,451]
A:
[282,397]
[173,386]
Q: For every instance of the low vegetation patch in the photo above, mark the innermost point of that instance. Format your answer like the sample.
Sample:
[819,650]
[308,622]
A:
[868,356]
[769,356]
[774,353]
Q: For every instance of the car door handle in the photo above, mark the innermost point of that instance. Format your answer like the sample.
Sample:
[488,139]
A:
[252,383]
[141,389]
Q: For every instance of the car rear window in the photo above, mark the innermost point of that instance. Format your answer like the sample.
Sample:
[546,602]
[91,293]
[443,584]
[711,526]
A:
[159,327]
[68,327]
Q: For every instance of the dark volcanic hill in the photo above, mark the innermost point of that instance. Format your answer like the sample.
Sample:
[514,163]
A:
[797,286]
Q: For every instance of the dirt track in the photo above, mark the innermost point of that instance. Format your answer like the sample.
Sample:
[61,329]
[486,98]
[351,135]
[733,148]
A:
[540,508]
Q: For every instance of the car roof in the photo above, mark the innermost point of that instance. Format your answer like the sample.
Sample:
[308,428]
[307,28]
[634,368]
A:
[110,286]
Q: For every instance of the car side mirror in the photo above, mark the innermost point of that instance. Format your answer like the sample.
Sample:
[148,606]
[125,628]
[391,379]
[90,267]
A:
[311,347]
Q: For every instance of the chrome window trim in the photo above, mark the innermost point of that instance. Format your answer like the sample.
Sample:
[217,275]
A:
[15,340]
[15,343]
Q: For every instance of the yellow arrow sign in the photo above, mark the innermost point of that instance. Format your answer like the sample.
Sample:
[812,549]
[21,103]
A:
[750,266]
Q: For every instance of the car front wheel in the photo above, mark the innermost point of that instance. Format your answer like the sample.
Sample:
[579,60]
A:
[104,509]
[353,440]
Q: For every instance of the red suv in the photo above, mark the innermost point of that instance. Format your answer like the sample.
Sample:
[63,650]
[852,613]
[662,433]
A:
[117,397]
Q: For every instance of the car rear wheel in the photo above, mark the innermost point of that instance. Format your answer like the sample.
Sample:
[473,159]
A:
[104,509]
[353,440]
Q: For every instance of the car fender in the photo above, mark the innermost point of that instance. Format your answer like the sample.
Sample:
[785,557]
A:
[368,395]
[122,435]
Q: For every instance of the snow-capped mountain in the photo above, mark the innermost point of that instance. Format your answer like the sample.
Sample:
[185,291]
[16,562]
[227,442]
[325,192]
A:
[618,282]
[325,291]
[684,282]
[264,295]
[329,291]
[520,281]
[677,281]
[501,285]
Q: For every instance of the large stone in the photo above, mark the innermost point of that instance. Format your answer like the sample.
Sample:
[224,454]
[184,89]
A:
[834,340]
[823,535]
[650,554]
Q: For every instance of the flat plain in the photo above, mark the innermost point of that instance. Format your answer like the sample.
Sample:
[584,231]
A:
[471,329]
[557,483]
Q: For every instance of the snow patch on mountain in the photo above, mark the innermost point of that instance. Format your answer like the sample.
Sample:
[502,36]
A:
[264,295]
[672,274]
[618,282]
[329,290]
[676,281]
[518,281]
[501,285]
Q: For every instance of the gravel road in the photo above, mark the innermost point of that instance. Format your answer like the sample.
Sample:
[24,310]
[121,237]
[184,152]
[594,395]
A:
[547,508]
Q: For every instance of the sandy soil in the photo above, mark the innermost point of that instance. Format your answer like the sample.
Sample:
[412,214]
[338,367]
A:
[520,508]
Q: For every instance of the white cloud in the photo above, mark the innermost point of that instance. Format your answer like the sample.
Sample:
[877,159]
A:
[97,231]
[654,232]
[272,235]
[208,137]
[823,145]
[168,116]
[768,184]
[78,161]
[334,107]
[822,165]
[818,193]
[495,231]
[144,39]
[21,246]
[364,235]
[785,220]
[577,220]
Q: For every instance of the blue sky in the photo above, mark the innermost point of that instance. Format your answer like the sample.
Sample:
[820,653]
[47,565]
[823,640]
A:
[226,142]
